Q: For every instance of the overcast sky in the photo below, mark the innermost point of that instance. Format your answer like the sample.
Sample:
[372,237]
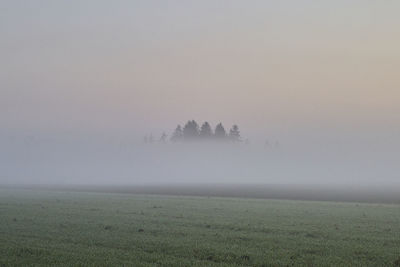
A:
[316,72]
[270,66]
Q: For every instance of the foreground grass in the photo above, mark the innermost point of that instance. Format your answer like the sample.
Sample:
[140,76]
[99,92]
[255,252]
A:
[100,229]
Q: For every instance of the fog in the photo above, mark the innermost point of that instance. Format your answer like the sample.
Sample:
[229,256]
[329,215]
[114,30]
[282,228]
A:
[81,83]
[99,160]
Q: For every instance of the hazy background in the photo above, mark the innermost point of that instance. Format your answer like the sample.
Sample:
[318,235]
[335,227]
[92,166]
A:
[81,82]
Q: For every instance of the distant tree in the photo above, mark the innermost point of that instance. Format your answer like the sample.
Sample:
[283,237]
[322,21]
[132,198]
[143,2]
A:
[146,139]
[234,134]
[177,135]
[163,138]
[151,139]
[191,130]
[267,144]
[220,132]
[277,145]
[205,131]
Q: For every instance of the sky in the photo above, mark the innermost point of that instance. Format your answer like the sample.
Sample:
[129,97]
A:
[316,73]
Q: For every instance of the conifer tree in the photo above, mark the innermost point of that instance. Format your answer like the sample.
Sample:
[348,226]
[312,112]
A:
[177,135]
[206,131]
[220,133]
[191,131]
[234,134]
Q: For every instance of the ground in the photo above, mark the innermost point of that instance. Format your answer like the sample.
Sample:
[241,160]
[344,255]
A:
[107,229]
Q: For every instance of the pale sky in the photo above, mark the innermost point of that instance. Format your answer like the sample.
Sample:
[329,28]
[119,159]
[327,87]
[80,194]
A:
[276,68]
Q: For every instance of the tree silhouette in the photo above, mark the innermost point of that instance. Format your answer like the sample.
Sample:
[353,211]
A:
[267,144]
[151,138]
[191,130]
[177,135]
[234,134]
[220,132]
[163,138]
[206,131]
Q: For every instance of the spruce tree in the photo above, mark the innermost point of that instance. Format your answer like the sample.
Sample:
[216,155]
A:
[177,135]
[205,131]
[234,134]
[191,131]
[220,133]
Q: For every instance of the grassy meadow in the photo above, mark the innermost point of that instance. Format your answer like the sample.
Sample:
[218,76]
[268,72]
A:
[106,229]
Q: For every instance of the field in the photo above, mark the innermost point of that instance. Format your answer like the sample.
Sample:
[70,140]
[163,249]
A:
[107,229]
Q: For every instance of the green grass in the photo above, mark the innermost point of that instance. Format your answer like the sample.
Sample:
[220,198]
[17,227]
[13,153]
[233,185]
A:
[100,229]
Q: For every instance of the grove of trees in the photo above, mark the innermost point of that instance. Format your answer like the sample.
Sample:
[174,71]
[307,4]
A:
[191,131]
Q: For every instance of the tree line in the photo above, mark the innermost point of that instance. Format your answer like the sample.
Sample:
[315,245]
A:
[192,131]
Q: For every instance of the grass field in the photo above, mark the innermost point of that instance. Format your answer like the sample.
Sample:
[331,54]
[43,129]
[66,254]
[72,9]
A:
[105,229]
